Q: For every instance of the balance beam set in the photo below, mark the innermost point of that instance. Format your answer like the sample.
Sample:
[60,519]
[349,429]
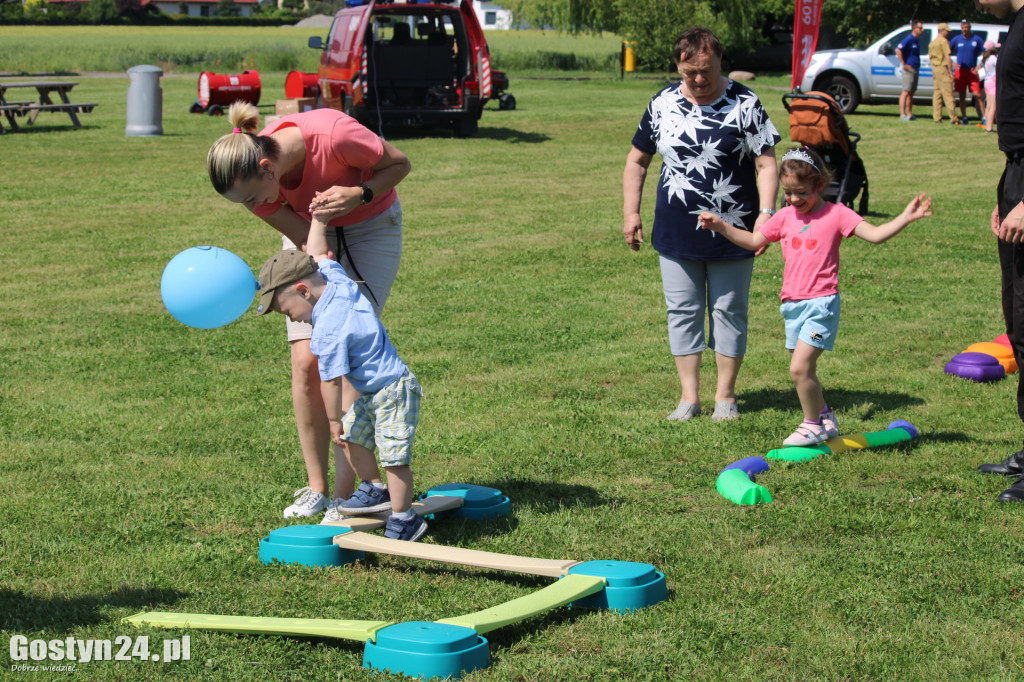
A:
[737,482]
[450,646]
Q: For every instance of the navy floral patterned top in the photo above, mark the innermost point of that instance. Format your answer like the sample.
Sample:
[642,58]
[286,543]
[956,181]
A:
[707,157]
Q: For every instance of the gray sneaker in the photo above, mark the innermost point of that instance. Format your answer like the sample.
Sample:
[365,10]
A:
[307,503]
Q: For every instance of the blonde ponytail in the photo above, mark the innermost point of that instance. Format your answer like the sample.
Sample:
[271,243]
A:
[244,115]
[237,155]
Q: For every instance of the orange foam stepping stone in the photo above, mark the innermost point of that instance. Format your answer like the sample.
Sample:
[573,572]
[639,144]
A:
[997,350]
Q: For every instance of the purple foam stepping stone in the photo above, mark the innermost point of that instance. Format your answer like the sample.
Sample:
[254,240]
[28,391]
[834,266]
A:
[751,466]
[972,358]
[979,367]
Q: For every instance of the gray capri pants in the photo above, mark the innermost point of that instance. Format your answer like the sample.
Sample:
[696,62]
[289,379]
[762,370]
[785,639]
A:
[691,287]
[375,245]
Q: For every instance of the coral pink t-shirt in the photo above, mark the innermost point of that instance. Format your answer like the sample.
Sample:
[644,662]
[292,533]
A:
[810,245]
[339,151]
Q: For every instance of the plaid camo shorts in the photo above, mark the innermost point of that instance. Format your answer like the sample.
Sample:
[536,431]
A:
[385,422]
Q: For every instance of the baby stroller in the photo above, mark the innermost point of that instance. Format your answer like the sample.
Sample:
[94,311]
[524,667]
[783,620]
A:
[816,121]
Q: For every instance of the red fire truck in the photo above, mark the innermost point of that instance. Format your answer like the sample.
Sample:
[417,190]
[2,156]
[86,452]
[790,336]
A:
[410,63]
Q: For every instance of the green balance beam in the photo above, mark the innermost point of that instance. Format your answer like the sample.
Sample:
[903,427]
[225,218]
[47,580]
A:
[568,589]
[357,630]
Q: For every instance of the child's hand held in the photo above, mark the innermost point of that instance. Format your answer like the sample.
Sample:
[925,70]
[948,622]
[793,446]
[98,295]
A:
[708,221]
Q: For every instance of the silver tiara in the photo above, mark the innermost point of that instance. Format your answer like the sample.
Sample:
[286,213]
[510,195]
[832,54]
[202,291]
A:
[800,155]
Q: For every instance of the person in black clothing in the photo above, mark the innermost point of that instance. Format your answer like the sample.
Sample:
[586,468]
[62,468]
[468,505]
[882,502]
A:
[1008,215]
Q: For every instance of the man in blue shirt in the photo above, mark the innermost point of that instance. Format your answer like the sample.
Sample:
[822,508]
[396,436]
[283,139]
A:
[967,47]
[909,54]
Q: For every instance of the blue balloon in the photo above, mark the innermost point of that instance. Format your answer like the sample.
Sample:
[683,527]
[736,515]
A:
[207,287]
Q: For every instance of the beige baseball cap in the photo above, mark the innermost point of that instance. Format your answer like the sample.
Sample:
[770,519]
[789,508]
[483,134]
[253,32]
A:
[281,269]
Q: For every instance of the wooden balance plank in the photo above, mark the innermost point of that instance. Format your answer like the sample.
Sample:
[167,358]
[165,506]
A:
[358,630]
[568,589]
[364,542]
[431,505]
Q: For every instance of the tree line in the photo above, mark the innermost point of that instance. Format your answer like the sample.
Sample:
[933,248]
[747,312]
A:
[742,25]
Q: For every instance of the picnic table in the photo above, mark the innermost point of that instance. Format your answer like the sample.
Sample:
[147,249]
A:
[11,108]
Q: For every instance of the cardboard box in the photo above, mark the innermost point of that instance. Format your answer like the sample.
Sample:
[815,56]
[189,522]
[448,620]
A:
[295,106]
[267,120]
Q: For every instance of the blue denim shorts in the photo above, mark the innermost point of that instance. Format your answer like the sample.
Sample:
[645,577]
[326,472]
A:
[814,321]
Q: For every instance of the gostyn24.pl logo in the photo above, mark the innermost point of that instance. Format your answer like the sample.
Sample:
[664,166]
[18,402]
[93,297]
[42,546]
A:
[34,655]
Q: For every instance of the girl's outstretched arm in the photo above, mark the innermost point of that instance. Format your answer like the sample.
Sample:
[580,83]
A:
[919,207]
[752,241]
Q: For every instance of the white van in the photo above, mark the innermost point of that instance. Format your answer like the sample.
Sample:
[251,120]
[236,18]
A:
[872,75]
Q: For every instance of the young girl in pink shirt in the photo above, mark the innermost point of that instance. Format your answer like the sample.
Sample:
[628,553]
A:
[811,230]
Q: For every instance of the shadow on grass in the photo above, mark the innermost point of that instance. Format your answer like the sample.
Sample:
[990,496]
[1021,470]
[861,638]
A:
[947,437]
[543,498]
[865,402]
[46,127]
[509,135]
[547,498]
[21,612]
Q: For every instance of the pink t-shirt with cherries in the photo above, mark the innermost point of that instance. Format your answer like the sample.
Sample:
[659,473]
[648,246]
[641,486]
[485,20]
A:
[810,245]
[339,151]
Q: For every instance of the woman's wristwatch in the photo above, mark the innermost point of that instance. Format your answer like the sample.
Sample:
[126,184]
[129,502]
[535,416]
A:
[767,211]
[367,194]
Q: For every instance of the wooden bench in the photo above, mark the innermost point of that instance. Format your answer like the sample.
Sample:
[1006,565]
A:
[12,109]
[70,106]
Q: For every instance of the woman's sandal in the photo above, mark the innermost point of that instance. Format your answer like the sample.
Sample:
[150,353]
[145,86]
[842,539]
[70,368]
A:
[684,411]
[724,411]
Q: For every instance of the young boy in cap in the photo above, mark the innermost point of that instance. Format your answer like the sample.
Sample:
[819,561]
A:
[349,341]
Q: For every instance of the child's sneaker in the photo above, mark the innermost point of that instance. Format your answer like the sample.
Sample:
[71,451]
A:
[307,502]
[405,529]
[367,499]
[806,434]
[333,515]
[829,421]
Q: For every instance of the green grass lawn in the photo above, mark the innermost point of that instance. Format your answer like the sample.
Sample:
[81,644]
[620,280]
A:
[143,460]
[69,49]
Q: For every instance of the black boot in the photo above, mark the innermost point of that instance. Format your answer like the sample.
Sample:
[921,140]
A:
[1011,466]
[1015,493]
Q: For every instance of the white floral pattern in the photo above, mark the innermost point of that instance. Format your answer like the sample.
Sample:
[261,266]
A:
[708,157]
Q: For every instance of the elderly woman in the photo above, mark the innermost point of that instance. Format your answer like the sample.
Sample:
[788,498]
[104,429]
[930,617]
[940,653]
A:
[321,163]
[717,146]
